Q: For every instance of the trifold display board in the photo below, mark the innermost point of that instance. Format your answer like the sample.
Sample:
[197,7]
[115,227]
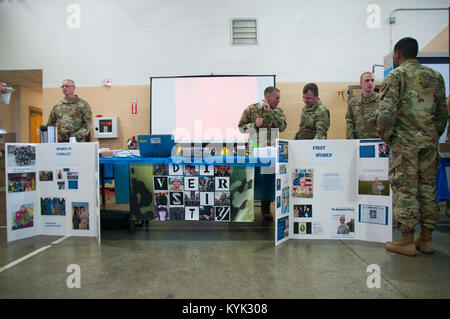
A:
[333,189]
[52,189]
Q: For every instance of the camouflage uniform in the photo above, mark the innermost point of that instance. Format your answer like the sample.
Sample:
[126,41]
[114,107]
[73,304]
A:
[361,117]
[73,117]
[273,118]
[314,122]
[411,117]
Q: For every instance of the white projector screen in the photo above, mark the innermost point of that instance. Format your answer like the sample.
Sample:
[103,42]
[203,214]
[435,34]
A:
[203,108]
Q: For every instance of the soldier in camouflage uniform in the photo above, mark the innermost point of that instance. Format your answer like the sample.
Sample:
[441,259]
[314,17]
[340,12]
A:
[315,118]
[412,115]
[269,117]
[72,115]
[361,112]
[265,115]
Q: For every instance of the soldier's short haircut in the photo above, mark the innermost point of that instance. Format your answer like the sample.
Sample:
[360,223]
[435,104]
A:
[311,87]
[408,47]
[73,82]
[365,74]
[270,90]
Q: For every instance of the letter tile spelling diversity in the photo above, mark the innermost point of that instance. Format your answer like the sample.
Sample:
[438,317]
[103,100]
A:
[191,192]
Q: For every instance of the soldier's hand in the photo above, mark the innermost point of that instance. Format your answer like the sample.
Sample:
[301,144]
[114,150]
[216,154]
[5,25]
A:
[259,121]
[2,88]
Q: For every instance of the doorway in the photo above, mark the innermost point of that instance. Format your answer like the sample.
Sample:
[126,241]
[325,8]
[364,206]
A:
[35,116]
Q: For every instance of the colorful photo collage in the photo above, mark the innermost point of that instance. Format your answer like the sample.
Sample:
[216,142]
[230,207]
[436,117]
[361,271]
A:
[64,178]
[192,192]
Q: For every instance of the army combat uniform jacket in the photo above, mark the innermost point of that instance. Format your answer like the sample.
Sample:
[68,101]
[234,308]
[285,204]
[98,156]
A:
[361,117]
[72,117]
[411,117]
[274,118]
[314,122]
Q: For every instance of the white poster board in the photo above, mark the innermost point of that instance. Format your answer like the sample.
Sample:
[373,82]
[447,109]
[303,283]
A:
[52,189]
[333,189]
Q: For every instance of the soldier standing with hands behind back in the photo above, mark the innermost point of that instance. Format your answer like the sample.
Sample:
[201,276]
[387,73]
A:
[412,115]
[72,115]
[361,113]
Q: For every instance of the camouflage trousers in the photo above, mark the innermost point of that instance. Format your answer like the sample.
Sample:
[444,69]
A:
[412,175]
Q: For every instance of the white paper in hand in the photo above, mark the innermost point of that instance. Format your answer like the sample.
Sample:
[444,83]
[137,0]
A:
[5,97]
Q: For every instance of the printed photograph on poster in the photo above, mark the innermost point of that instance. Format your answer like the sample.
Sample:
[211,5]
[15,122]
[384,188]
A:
[367,151]
[222,199]
[72,175]
[191,198]
[22,216]
[373,184]
[80,215]
[302,228]
[302,183]
[343,224]
[160,170]
[54,206]
[176,183]
[282,151]
[61,184]
[45,176]
[372,214]
[72,184]
[206,183]
[278,184]
[383,150]
[21,182]
[278,201]
[207,213]
[191,170]
[283,228]
[21,155]
[283,169]
[161,206]
[59,174]
[222,170]
[177,213]
[162,212]
[303,211]
[285,200]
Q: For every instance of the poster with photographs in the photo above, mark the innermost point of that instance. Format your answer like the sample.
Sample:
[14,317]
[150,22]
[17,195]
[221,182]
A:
[191,192]
[302,228]
[46,193]
[373,214]
[338,189]
[303,211]
[22,216]
[21,156]
[80,215]
[302,183]
[343,222]
[373,184]
[21,182]
[282,228]
[54,206]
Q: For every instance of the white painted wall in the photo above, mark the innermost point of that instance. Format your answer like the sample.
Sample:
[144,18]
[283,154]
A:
[129,41]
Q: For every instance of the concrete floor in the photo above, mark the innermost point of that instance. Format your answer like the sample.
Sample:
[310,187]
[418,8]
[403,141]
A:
[231,261]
